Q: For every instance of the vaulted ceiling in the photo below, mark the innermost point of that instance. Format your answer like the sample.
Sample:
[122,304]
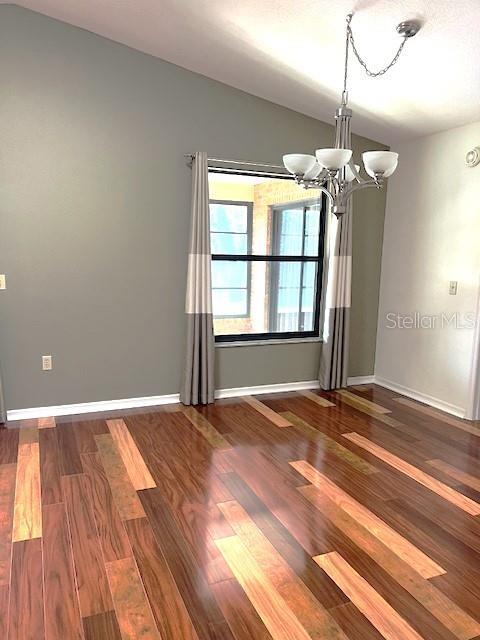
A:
[291,52]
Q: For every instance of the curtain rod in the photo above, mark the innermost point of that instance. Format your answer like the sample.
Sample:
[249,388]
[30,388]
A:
[189,158]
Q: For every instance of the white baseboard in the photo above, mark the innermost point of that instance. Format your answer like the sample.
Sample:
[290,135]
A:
[360,380]
[267,388]
[421,397]
[91,407]
[150,401]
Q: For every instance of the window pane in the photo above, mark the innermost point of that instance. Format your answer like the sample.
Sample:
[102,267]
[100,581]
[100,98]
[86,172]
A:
[229,302]
[228,217]
[292,221]
[308,294]
[312,220]
[271,304]
[311,246]
[288,300]
[229,275]
[293,238]
[230,243]
[289,274]
[290,226]
[290,246]
[309,274]
[308,321]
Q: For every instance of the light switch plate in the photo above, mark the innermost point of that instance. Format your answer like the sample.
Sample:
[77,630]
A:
[453,288]
[47,363]
[3,281]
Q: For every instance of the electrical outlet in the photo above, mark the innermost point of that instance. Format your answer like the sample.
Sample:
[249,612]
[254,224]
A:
[47,363]
[3,281]
[453,288]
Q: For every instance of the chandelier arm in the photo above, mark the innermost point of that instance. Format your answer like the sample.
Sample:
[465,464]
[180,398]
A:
[327,193]
[352,166]
[346,193]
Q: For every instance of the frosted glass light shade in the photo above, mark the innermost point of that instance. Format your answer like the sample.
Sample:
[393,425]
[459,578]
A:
[298,163]
[314,172]
[333,159]
[380,162]
[349,175]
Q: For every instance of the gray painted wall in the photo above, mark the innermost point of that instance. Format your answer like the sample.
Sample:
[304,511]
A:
[94,216]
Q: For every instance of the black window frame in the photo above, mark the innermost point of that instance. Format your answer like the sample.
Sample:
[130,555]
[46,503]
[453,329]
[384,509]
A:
[249,206]
[249,258]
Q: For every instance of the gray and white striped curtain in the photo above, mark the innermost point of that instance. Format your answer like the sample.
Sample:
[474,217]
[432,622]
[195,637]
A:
[336,330]
[198,375]
[3,408]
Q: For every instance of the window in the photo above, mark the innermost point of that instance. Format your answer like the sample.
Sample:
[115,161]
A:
[267,254]
[296,232]
[231,233]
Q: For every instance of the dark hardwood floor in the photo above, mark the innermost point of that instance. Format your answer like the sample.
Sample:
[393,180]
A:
[291,516]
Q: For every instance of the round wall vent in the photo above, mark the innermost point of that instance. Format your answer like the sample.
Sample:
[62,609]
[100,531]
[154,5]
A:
[473,157]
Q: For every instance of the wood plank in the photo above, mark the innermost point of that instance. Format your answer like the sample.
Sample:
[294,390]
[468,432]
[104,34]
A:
[203,426]
[70,460]
[84,436]
[27,515]
[188,575]
[363,402]
[111,531]
[432,599]
[242,618]
[354,623]
[50,467]
[8,474]
[377,610]
[46,423]
[314,397]
[270,606]
[329,444]
[441,489]
[272,415]
[132,459]
[28,435]
[123,491]
[167,605]
[310,613]
[8,445]
[4,602]
[465,425]
[134,615]
[364,408]
[402,547]
[102,626]
[457,474]
[92,584]
[26,618]
[62,614]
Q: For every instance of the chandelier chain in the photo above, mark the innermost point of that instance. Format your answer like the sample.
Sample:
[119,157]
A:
[372,74]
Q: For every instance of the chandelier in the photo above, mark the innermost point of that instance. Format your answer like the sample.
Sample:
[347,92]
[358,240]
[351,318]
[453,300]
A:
[333,170]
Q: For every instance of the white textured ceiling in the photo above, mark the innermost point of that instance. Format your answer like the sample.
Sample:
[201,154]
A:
[291,52]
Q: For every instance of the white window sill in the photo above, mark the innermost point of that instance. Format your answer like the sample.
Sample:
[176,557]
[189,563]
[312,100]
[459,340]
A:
[262,343]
